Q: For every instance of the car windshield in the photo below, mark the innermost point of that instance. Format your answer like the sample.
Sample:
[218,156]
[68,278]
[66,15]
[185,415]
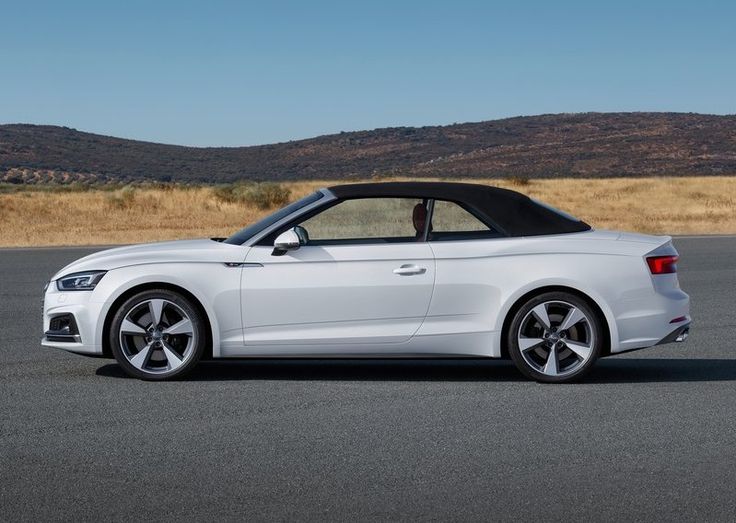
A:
[244,235]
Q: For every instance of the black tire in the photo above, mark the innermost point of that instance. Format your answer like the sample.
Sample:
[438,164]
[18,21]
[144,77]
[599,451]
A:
[156,363]
[586,337]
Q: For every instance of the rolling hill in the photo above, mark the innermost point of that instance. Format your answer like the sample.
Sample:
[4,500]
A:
[546,146]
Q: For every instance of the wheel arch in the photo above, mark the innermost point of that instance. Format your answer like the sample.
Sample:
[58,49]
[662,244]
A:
[147,286]
[529,294]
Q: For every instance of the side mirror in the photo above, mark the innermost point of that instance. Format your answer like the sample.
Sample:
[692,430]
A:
[286,241]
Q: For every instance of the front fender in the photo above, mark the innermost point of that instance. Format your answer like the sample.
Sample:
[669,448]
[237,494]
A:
[215,286]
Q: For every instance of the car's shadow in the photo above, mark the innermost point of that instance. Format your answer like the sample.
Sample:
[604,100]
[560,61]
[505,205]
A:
[611,370]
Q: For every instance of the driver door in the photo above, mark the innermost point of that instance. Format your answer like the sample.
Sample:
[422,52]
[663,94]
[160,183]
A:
[364,277]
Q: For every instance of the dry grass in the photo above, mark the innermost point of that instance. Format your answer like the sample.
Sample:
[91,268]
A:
[690,205]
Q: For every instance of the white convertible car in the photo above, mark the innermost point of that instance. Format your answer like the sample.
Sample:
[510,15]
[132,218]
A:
[380,270]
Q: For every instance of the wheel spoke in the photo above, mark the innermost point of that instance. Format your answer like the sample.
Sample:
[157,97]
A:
[155,307]
[129,327]
[560,350]
[140,359]
[540,312]
[182,327]
[580,349]
[574,316]
[172,357]
[551,367]
[157,320]
[527,344]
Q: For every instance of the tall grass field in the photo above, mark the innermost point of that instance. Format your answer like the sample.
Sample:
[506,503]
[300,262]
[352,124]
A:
[44,216]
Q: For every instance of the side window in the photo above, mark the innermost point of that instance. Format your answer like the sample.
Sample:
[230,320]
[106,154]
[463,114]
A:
[451,222]
[367,220]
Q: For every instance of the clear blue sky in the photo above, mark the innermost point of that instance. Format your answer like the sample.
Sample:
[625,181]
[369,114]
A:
[242,73]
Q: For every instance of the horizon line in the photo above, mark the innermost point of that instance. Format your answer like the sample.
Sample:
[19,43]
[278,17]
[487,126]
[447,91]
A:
[338,133]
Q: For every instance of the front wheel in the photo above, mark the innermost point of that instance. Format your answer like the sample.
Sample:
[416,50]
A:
[555,337]
[157,335]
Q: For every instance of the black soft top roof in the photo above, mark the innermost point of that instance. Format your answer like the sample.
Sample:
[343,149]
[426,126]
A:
[512,212]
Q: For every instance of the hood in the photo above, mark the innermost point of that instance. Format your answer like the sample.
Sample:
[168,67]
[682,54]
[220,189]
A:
[204,251]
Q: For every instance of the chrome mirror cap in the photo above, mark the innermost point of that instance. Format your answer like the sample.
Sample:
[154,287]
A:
[287,241]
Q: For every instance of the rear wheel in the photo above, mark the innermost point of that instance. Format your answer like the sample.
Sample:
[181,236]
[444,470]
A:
[157,335]
[555,337]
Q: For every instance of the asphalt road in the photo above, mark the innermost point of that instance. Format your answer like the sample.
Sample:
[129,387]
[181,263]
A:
[651,435]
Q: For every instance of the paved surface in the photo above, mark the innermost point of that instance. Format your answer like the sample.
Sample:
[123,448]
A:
[651,435]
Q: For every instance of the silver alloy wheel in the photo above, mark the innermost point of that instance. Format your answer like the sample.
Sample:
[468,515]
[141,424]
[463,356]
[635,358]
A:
[157,336]
[556,338]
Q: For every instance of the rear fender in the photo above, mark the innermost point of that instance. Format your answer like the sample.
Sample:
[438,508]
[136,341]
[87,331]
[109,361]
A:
[551,284]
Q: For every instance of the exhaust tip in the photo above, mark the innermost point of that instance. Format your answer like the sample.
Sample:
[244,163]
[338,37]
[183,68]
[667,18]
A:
[682,336]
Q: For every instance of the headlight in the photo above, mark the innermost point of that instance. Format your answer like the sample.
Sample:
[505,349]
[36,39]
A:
[80,281]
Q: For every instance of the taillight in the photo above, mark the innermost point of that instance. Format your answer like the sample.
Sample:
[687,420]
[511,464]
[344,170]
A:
[662,264]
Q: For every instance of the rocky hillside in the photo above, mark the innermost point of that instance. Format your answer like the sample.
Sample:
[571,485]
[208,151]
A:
[547,146]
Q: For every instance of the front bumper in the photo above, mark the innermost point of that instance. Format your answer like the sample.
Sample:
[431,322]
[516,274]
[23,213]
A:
[84,309]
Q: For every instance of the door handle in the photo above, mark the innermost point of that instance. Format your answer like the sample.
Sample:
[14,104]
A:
[408,270]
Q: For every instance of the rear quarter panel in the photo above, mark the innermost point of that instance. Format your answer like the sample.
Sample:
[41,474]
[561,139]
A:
[478,282]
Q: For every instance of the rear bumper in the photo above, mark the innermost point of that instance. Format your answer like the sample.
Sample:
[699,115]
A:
[678,335]
[652,320]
